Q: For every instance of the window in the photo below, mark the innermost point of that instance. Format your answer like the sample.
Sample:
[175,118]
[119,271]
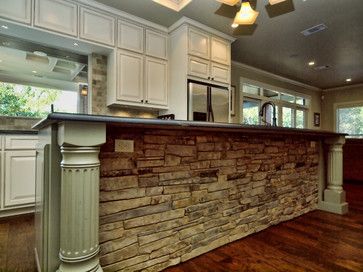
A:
[28,101]
[291,109]
[350,120]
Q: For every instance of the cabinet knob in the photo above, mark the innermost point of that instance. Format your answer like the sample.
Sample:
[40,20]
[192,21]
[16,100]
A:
[142,100]
[146,101]
[209,77]
[212,78]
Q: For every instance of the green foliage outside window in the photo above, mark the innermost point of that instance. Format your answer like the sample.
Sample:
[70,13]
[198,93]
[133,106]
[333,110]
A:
[25,101]
[350,120]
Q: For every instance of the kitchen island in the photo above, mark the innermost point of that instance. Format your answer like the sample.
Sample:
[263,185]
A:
[144,194]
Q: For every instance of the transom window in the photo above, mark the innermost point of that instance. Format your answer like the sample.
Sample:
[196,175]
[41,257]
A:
[291,108]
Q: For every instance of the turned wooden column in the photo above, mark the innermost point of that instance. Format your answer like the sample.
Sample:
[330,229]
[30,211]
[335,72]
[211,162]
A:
[334,195]
[80,146]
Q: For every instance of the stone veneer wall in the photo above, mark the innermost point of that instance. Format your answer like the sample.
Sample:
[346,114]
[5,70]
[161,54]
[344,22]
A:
[17,123]
[99,93]
[183,193]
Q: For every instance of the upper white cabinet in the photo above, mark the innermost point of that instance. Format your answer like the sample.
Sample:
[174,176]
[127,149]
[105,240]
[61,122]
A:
[220,51]
[97,27]
[130,77]
[199,67]
[198,43]
[57,15]
[220,73]
[156,81]
[19,178]
[17,10]
[130,36]
[156,44]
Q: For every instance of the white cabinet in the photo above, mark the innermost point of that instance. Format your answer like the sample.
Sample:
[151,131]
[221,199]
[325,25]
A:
[19,182]
[220,73]
[198,43]
[17,10]
[199,67]
[130,36]
[57,15]
[97,27]
[220,51]
[156,81]
[156,44]
[130,77]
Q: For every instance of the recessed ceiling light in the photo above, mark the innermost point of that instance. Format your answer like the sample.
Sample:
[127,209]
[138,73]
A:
[348,80]
[234,25]
[311,63]
[4,27]
[34,72]
[75,44]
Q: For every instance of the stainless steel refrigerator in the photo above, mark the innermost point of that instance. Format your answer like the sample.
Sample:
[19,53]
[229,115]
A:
[208,102]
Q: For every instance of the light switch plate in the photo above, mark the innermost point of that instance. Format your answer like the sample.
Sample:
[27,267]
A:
[124,145]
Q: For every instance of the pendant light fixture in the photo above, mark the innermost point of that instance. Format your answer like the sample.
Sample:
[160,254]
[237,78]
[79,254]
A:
[274,2]
[246,15]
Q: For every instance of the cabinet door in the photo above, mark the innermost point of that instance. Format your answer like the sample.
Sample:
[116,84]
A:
[57,15]
[156,44]
[19,178]
[130,77]
[156,73]
[198,44]
[17,10]
[220,51]
[198,67]
[97,27]
[131,37]
[220,73]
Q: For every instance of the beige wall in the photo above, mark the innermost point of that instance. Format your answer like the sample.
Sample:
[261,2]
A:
[238,72]
[331,98]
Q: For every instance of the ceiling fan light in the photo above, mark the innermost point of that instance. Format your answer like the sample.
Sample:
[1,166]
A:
[229,2]
[246,15]
[274,2]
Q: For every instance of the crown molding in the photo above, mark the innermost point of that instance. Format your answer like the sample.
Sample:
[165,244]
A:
[274,76]
[342,88]
[187,21]
[176,5]
[122,14]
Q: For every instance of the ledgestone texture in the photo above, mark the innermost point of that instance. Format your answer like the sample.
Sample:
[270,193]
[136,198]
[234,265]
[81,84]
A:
[183,193]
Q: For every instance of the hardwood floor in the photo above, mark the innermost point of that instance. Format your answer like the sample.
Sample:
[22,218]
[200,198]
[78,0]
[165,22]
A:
[17,244]
[317,241]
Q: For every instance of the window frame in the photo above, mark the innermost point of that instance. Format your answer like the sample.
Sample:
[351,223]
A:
[279,103]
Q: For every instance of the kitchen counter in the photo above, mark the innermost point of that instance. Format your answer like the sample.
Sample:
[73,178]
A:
[18,131]
[153,193]
[178,124]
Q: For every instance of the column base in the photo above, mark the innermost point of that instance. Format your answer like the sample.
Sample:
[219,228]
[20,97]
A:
[91,265]
[338,208]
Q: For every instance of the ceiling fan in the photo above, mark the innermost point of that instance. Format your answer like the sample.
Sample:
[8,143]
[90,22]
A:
[246,15]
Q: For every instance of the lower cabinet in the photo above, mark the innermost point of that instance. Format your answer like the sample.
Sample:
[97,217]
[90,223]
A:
[17,174]
[19,181]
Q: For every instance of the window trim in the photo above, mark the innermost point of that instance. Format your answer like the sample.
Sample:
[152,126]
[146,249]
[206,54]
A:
[279,103]
[342,105]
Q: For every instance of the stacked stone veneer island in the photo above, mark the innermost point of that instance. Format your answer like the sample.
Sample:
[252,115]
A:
[182,193]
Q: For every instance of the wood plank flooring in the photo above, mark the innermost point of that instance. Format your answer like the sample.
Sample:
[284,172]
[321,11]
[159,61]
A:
[317,241]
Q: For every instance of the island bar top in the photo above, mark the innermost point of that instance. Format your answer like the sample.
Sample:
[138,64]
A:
[179,124]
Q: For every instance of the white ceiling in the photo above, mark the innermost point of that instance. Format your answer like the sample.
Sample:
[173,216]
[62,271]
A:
[275,43]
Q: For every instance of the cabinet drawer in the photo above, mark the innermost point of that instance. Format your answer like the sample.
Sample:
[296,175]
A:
[220,51]
[198,67]
[57,15]
[130,36]
[97,27]
[17,10]
[220,73]
[20,142]
[19,178]
[156,44]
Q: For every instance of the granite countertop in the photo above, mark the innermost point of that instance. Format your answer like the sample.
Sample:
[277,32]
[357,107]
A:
[178,124]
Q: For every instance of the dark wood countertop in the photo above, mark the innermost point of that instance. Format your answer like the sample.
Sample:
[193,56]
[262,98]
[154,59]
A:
[181,125]
[18,131]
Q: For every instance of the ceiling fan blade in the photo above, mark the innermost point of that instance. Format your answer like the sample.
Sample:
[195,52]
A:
[227,11]
[245,30]
[280,8]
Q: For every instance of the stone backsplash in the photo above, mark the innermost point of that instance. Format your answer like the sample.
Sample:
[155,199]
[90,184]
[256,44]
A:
[183,193]
[17,123]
